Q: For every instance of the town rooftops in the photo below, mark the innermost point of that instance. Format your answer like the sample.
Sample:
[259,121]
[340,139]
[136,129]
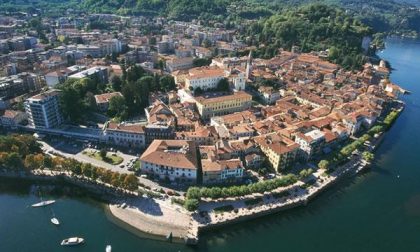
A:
[172,153]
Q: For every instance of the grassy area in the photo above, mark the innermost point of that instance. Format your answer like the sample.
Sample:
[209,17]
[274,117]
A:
[113,159]
[222,209]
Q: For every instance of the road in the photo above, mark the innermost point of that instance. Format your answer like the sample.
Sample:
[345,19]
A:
[75,150]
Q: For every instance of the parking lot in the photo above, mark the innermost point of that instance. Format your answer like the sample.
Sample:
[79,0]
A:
[74,149]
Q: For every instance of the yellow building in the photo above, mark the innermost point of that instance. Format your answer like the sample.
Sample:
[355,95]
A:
[281,151]
[209,106]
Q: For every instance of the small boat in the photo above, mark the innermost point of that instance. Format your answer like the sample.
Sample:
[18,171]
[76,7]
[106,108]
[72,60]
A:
[72,241]
[44,203]
[108,248]
[55,221]
[123,205]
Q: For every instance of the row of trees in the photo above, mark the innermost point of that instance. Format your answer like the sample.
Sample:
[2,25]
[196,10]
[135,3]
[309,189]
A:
[243,190]
[22,153]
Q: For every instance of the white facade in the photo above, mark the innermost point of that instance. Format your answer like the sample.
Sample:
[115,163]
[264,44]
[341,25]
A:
[44,110]
[173,173]
[206,82]
[239,82]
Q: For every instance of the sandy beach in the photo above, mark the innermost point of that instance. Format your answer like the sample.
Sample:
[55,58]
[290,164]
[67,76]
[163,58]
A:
[155,217]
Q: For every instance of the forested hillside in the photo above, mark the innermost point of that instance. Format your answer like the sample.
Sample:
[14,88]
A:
[314,27]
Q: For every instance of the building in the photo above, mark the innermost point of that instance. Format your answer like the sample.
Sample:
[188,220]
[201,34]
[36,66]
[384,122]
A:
[175,63]
[204,78]
[98,73]
[22,83]
[12,118]
[216,105]
[60,76]
[44,110]
[269,95]
[222,171]
[126,135]
[280,151]
[310,143]
[102,100]
[172,160]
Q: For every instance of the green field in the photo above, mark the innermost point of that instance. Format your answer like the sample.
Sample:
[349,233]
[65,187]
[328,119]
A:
[113,159]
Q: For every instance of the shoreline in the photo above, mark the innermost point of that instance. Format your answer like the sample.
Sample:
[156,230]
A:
[159,218]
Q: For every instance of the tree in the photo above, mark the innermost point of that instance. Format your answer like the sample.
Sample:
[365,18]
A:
[71,104]
[14,161]
[147,81]
[198,91]
[199,62]
[30,162]
[131,182]
[167,83]
[103,153]
[305,173]
[223,85]
[191,204]
[206,43]
[368,156]
[117,107]
[324,164]
[193,193]
[116,83]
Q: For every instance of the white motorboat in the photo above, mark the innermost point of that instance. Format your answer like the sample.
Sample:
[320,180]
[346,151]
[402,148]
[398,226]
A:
[108,248]
[72,241]
[44,203]
[55,221]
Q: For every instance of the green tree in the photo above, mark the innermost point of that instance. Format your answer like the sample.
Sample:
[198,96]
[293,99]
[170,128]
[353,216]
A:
[324,164]
[167,83]
[368,156]
[223,85]
[131,182]
[116,83]
[103,153]
[191,204]
[193,193]
[117,107]
[71,104]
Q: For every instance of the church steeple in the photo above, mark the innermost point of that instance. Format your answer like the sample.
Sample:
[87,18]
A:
[249,65]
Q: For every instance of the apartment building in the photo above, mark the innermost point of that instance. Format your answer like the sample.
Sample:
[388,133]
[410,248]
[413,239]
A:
[44,110]
[280,151]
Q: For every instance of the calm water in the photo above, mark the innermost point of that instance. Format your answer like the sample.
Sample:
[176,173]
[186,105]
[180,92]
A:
[377,211]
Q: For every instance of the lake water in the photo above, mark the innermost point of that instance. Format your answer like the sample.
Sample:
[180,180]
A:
[376,211]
